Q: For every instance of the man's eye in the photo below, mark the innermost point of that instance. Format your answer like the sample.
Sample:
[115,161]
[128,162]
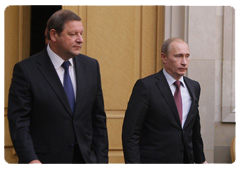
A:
[72,34]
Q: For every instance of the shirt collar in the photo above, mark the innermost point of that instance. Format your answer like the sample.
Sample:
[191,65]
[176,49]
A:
[56,60]
[171,80]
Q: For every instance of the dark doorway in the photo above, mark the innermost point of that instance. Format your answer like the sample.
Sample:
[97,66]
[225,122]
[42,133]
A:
[39,17]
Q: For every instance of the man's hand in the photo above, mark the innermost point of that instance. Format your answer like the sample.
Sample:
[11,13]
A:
[35,162]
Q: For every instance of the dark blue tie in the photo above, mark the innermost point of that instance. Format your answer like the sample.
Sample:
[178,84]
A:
[68,87]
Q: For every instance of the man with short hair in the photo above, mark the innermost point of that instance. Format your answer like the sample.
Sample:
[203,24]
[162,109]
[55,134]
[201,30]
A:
[162,122]
[56,110]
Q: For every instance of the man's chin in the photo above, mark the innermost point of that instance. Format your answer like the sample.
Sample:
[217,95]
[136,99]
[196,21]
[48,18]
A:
[181,73]
[75,53]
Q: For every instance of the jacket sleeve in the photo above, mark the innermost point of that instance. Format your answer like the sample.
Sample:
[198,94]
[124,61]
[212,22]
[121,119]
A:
[133,122]
[19,110]
[100,136]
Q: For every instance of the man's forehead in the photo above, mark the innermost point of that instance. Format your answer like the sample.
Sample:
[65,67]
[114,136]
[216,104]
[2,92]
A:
[73,24]
[179,46]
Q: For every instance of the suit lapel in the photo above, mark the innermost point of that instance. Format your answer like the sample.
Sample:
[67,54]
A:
[80,81]
[47,69]
[167,94]
[193,105]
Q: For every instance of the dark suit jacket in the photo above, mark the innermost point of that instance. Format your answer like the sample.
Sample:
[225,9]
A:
[41,123]
[152,131]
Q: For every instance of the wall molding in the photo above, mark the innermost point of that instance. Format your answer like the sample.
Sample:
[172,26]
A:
[228,66]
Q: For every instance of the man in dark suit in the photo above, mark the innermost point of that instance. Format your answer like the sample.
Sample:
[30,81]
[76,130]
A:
[56,110]
[157,127]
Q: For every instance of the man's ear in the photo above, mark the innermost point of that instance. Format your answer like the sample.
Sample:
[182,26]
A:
[164,57]
[53,34]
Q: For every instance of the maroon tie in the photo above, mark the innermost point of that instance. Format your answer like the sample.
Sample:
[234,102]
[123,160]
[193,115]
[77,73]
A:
[178,99]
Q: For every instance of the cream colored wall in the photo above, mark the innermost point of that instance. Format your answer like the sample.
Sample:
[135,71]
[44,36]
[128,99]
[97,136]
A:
[126,40]
[209,31]
[17,47]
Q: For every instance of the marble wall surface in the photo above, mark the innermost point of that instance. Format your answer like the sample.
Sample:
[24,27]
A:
[209,32]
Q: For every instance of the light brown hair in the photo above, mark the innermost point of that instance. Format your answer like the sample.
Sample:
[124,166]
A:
[58,19]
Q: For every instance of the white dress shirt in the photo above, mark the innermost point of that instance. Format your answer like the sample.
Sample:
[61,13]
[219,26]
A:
[186,98]
[57,63]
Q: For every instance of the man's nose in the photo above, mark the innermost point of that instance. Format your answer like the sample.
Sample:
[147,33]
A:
[79,38]
[184,60]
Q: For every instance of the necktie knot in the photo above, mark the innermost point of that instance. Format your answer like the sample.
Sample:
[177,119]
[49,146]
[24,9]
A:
[177,84]
[65,65]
